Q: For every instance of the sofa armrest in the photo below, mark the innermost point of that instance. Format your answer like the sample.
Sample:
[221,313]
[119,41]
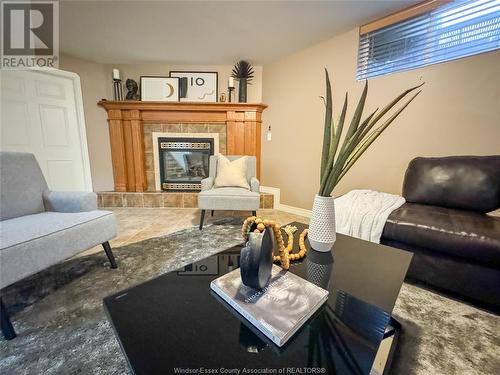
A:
[207,183]
[68,201]
[254,185]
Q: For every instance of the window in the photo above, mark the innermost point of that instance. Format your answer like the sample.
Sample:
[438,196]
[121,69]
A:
[448,32]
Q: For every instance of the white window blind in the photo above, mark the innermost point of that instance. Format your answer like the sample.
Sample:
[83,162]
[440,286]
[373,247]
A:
[457,29]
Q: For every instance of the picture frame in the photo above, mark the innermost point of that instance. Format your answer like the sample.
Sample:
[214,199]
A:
[197,86]
[159,88]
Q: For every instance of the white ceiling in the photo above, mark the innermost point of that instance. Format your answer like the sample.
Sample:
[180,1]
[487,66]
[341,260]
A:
[207,32]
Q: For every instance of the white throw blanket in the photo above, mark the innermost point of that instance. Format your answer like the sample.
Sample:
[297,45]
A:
[363,213]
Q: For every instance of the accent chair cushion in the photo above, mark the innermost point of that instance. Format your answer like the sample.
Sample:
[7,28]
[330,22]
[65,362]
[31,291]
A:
[231,173]
[229,198]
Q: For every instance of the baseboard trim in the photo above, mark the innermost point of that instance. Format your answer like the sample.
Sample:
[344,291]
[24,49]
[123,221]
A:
[276,192]
[294,210]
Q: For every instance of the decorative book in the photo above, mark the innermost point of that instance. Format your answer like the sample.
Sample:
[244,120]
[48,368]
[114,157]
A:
[278,310]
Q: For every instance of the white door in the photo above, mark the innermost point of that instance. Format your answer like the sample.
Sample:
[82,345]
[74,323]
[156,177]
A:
[41,113]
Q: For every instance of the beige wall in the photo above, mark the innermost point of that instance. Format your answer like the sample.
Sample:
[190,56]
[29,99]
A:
[97,84]
[457,113]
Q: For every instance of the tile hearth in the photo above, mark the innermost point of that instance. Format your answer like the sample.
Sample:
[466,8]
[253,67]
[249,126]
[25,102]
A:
[162,199]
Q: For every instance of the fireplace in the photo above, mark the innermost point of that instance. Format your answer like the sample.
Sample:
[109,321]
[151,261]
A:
[183,162]
[132,125]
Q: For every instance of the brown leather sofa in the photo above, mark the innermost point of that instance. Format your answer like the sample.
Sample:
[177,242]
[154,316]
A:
[444,222]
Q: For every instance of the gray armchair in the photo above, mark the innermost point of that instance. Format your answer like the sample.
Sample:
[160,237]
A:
[39,227]
[229,198]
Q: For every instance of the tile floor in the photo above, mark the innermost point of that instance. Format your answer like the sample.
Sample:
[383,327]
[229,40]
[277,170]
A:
[137,224]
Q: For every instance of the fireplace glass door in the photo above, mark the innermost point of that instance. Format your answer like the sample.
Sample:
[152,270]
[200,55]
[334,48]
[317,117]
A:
[184,162]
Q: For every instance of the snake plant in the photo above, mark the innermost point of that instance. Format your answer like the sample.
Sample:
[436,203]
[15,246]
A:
[338,157]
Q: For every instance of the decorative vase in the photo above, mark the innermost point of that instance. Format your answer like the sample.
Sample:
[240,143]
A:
[242,91]
[322,224]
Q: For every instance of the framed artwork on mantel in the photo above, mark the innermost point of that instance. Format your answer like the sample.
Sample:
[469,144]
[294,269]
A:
[197,86]
[156,88]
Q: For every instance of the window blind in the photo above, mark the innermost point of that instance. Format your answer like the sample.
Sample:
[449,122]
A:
[457,29]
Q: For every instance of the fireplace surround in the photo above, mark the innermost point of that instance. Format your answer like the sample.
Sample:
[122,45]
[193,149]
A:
[131,125]
[127,129]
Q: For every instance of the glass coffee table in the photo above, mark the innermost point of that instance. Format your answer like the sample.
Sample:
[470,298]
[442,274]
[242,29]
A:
[176,324]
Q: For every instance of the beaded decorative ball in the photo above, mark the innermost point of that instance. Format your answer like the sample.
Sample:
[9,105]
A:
[284,253]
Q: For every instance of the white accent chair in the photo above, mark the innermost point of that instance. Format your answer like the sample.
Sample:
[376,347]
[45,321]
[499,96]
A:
[229,198]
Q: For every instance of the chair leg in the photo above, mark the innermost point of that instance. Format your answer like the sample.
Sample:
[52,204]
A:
[109,253]
[202,218]
[8,331]
[254,213]
[212,214]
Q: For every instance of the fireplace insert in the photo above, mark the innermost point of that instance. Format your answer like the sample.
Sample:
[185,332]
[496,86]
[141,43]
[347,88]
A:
[184,162]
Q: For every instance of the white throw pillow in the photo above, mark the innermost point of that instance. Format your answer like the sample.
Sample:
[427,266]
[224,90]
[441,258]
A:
[231,173]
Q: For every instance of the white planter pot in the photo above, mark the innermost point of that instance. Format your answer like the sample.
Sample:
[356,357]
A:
[322,225]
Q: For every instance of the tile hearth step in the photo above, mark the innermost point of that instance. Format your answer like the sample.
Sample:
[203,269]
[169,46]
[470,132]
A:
[161,199]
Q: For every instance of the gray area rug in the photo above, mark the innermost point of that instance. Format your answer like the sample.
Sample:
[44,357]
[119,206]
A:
[62,328]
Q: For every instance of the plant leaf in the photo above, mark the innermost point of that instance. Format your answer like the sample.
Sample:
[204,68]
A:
[358,135]
[356,118]
[395,101]
[372,137]
[344,156]
[357,139]
[334,144]
[337,130]
[328,126]
[387,108]
[347,140]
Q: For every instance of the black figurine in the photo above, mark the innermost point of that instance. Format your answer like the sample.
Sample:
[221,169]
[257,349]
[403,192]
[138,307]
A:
[243,72]
[132,88]
[256,258]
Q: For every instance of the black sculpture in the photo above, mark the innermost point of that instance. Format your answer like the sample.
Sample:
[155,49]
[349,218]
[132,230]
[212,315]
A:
[183,87]
[132,88]
[243,72]
[256,258]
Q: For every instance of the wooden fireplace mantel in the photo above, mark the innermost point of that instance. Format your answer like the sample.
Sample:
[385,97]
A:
[126,118]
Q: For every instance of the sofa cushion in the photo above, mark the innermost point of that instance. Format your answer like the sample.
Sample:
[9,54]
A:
[31,227]
[31,243]
[228,198]
[463,182]
[466,234]
[21,185]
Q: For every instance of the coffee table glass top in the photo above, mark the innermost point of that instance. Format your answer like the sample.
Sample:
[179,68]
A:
[175,323]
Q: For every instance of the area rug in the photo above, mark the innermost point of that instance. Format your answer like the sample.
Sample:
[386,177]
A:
[62,328]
